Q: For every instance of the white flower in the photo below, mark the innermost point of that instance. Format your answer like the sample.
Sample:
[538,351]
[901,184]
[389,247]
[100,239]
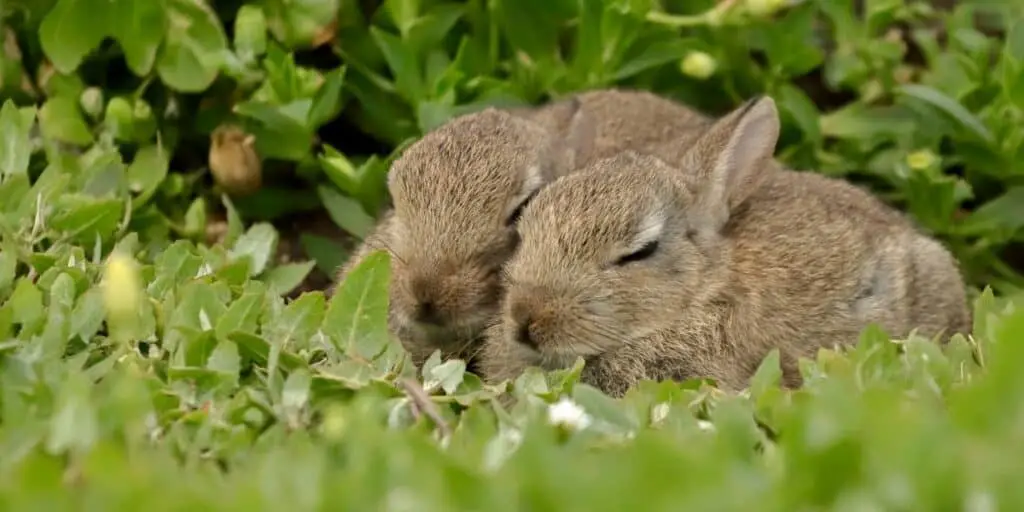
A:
[569,414]
[659,412]
[706,425]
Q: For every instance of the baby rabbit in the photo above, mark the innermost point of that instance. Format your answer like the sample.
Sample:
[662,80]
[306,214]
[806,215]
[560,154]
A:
[623,120]
[458,191]
[653,272]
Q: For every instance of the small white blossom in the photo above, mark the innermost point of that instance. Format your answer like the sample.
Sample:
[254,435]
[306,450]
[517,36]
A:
[706,425]
[659,412]
[569,414]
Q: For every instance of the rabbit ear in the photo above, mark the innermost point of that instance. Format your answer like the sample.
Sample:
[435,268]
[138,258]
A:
[730,159]
[566,152]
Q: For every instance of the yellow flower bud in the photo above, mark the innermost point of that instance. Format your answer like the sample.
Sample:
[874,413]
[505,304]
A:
[921,160]
[122,294]
[764,7]
[699,65]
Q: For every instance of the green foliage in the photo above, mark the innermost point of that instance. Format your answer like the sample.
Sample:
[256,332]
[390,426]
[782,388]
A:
[160,345]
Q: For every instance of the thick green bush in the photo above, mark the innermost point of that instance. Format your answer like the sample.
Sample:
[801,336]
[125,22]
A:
[165,342]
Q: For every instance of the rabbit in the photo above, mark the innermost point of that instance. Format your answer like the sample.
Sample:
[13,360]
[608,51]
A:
[651,271]
[458,191]
[624,119]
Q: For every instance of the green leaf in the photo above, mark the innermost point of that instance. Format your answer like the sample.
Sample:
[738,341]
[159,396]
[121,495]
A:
[329,255]
[88,315]
[84,218]
[405,68]
[15,149]
[448,376]
[74,425]
[146,172]
[259,244]
[282,279]
[296,22]
[296,390]
[139,26]
[250,32]
[346,212]
[241,315]
[327,101]
[768,374]
[224,359]
[278,135]
[948,105]
[72,30]
[190,56]
[8,269]
[235,227]
[300,319]
[27,302]
[357,317]
[60,119]
[1005,212]
[259,349]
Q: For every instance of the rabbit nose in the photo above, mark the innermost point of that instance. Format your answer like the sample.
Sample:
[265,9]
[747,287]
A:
[523,335]
[426,312]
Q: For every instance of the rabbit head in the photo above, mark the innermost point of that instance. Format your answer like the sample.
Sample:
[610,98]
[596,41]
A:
[457,195]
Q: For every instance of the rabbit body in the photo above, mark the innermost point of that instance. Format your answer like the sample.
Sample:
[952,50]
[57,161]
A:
[459,189]
[698,269]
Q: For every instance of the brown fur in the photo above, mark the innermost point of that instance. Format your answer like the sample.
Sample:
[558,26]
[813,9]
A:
[454,189]
[750,257]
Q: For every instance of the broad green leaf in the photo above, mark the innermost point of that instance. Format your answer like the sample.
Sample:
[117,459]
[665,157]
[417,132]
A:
[87,317]
[300,319]
[767,376]
[84,218]
[448,376]
[139,26]
[296,390]
[297,22]
[27,302]
[346,212]
[329,255]
[147,171]
[72,30]
[235,227]
[282,279]
[950,106]
[224,359]
[327,101]
[15,150]
[1005,212]
[357,316]
[278,135]
[259,244]
[60,119]
[259,349]
[190,57]
[250,32]
[405,68]
[8,269]
[74,424]
[241,315]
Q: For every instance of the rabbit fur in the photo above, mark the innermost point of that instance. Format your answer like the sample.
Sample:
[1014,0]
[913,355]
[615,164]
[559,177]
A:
[656,271]
[458,190]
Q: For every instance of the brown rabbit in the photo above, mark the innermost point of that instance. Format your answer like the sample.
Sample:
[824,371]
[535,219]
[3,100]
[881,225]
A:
[652,272]
[623,119]
[458,191]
